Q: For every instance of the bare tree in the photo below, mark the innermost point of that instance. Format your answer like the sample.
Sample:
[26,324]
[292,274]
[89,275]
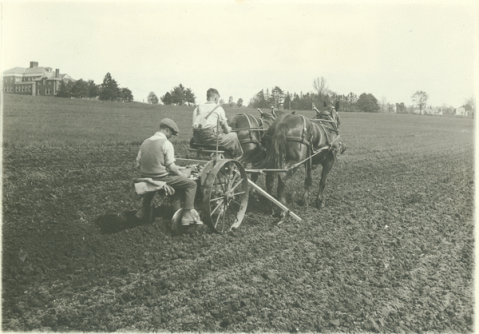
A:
[420,99]
[320,86]
[384,104]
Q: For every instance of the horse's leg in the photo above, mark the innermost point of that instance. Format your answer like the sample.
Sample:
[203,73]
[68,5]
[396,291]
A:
[252,192]
[269,190]
[327,165]
[308,181]
[283,184]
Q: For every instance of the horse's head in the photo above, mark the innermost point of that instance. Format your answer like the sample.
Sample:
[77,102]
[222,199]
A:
[267,117]
[328,112]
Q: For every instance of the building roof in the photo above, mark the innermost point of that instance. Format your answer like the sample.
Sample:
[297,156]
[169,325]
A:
[15,70]
[43,72]
[35,70]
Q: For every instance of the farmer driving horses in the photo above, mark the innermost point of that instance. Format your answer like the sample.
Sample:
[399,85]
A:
[156,160]
[205,131]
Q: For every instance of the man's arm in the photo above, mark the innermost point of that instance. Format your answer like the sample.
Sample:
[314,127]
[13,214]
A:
[223,120]
[195,114]
[138,160]
[173,168]
[169,154]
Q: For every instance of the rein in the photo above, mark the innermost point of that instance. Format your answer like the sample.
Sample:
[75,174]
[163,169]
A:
[320,121]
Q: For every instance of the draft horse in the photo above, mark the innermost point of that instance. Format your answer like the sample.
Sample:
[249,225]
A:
[293,140]
[250,130]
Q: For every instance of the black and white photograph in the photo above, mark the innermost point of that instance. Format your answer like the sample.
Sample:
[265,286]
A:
[238,166]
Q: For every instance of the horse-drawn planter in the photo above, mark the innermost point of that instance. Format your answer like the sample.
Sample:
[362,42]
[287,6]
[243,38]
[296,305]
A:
[223,183]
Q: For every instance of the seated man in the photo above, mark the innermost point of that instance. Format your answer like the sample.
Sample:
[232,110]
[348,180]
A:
[156,160]
[205,118]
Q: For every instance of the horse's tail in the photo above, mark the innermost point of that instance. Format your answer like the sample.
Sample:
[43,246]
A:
[276,152]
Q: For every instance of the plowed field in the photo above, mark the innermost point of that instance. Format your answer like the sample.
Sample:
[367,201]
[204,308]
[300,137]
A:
[392,250]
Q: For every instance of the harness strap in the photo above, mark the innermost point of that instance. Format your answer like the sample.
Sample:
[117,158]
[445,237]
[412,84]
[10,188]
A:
[298,140]
[328,121]
[309,146]
[259,121]
[249,121]
[251,139]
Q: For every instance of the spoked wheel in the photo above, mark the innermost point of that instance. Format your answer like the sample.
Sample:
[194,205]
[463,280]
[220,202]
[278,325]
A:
[226,196]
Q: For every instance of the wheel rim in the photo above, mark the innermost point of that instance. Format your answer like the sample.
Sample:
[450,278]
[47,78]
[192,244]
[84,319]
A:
[226,196]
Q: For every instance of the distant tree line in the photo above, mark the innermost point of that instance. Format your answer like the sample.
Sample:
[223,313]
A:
[306,101]
[351,102]
[179,95]
[109,90]
[419,106]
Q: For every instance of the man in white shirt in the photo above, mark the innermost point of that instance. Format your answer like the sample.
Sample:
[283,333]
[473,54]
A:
[205,118]
[156,160]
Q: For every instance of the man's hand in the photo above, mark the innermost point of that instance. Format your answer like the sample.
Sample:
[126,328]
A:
[226,127]
[175,170]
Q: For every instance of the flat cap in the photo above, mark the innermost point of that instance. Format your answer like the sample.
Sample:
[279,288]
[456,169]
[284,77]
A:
[171,124]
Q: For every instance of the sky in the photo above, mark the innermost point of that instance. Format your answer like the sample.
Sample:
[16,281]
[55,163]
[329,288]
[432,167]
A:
[390,50]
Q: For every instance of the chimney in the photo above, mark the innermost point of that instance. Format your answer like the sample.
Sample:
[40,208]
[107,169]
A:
[57,73]
[33,64]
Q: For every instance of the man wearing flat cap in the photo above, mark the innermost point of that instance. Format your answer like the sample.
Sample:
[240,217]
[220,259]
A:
[156,160]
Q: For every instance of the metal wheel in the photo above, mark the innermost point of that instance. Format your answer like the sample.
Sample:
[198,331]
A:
[225,196]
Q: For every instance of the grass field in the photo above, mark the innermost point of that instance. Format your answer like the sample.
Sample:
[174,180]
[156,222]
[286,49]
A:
[392,251]
[45,121]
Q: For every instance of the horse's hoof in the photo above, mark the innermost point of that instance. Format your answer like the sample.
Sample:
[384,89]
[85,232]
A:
[319,205]
[303,202]
[276,214]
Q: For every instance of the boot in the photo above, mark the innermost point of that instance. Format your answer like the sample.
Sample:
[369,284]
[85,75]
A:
[141,213]
[191,217]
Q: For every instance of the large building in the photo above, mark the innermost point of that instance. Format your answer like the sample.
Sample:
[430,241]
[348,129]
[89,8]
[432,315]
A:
[33,80]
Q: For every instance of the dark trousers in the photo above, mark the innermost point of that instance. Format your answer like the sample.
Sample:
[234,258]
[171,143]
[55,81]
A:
[229,141]
[185,189]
